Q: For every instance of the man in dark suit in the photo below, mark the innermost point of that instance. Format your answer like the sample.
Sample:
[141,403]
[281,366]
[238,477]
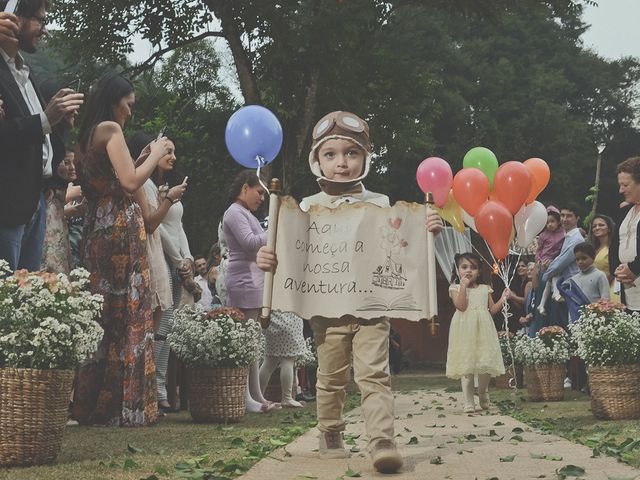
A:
[30,151]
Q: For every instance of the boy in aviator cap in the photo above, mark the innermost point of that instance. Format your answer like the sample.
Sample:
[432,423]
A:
[340,158]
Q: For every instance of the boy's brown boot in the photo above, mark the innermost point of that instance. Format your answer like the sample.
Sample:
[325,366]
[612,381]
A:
[385,456]
[332,446]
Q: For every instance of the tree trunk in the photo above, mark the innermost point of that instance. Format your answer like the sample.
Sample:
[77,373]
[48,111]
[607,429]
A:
[248,84]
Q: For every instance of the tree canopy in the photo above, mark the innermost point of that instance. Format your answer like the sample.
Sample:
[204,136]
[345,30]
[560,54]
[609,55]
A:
[432,78]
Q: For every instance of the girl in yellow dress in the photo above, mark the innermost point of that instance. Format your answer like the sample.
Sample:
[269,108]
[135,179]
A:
[473,339]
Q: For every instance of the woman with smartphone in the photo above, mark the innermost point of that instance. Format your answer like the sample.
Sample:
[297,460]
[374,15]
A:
[117,386]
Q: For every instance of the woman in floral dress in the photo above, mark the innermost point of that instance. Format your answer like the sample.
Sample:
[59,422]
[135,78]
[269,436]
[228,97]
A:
[117,385]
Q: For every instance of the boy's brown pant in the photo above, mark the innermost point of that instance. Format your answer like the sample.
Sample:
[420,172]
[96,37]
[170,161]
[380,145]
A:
[368,340]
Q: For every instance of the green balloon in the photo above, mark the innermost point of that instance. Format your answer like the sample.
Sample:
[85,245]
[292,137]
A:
[484,160]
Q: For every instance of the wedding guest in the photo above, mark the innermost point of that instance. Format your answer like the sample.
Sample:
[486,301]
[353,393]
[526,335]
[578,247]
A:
[30,147]
[624,249]
[117,385]
[244,279]
[602,228]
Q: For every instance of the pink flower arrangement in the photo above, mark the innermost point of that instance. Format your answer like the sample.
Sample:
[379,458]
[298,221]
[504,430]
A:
[604,306]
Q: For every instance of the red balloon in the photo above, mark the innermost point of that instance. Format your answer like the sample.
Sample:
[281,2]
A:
[495,223]
[470,189]
[512,185]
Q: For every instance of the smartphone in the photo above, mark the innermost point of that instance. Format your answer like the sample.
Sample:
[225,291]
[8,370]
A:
[11,6]
[161,133]
[74,83]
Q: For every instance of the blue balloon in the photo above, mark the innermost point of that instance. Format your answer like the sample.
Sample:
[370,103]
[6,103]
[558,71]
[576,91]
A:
[253,136]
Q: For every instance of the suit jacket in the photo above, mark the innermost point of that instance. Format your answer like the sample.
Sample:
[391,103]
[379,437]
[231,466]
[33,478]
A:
[21,140]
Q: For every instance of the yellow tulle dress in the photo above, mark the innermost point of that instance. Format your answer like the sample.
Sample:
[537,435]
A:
[601,262]
[473,339]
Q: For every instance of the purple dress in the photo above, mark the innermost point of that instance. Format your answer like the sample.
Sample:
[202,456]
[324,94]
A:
[244,237]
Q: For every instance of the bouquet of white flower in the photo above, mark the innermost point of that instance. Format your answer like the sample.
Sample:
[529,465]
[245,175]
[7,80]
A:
[216,338]
[47,320]
[606,335]
[549,346]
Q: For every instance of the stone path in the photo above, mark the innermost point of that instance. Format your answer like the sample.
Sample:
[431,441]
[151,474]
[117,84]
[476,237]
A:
[437,441]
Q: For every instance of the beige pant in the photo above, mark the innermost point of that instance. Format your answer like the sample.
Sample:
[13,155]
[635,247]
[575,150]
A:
[368,340]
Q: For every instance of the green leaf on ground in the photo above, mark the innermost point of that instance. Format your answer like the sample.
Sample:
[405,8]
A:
[306,475]
[517,430]
[413,441]
[571,471]
[492,433]
[498,424]
[470,436]
[277,443]
[538,456]
[554,458]
[508,458]
[133,449]
[352,474]
[517,438]
[130,464]
[237,442]
[162,470]
[436,461]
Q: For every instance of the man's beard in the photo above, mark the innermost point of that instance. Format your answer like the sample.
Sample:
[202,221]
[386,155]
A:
[24,45]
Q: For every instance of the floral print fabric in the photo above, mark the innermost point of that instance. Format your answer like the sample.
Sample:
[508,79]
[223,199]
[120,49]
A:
[117,385]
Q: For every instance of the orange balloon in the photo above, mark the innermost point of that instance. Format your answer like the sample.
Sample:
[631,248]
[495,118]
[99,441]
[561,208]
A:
[540,175]
[512,185]
[470,189]
[495,224]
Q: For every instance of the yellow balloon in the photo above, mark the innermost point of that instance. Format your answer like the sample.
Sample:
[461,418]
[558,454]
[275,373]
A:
[452,213]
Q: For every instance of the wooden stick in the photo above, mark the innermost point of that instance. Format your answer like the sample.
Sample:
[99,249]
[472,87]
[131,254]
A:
[432,293]
[272,234]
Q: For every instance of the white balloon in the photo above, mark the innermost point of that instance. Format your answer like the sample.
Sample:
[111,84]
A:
[468,220]
[530,221]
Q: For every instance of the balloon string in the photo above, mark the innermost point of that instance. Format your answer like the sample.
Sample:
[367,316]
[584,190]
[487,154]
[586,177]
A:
[261,163]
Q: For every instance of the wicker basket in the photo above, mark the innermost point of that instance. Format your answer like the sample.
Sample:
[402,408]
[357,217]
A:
[34,407]
[615,392]
[545,383]
[502,381]
[217,394]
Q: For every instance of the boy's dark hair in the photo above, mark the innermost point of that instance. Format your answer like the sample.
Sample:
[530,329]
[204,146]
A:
[585,248]
[198,257]
[573,208]
[28,8]
[470,256]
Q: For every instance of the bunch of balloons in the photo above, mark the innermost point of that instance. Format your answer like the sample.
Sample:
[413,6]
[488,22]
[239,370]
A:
[497,201]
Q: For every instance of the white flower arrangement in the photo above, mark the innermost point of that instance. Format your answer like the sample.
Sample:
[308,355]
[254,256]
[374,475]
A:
[549,346]
[606,335]
[47,320]
[216,338]
[309,357]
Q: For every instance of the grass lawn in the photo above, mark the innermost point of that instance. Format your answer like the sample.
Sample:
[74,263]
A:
[178,448]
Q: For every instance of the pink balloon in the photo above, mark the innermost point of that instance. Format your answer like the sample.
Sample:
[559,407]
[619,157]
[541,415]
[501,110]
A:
[434,175]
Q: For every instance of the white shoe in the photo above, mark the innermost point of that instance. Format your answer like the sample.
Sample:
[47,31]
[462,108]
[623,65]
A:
[567,382]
